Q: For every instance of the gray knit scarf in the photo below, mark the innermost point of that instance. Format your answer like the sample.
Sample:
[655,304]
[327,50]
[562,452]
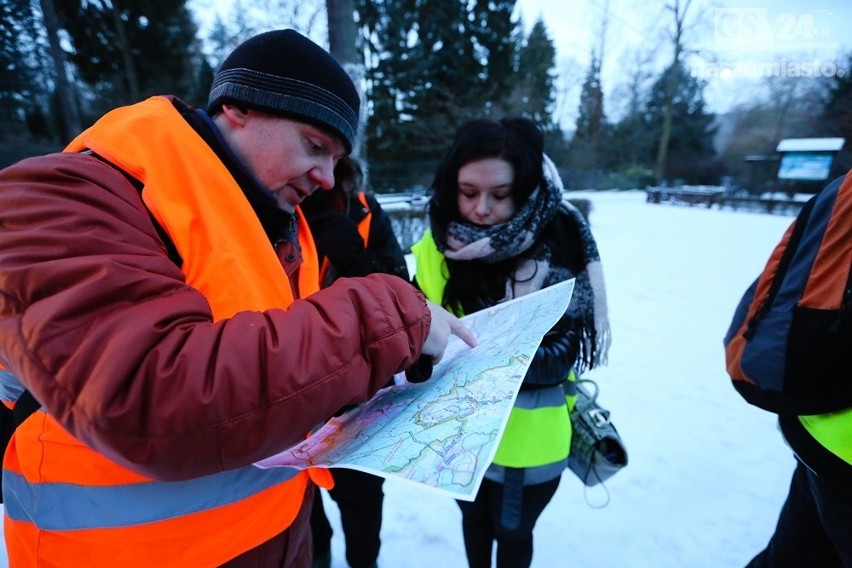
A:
[519,237]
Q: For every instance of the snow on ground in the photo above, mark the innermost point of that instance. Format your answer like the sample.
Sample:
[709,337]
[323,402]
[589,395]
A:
[707,473]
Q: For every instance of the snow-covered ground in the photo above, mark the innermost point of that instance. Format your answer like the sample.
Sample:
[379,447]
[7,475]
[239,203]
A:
[707,473]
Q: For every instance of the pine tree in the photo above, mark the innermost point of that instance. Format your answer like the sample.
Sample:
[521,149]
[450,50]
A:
[449,80]
[690,141]
[584,150]
[21,76]
[497,40]
[16,72]
[533,96]
[131,49]
[590,120]
[431,66]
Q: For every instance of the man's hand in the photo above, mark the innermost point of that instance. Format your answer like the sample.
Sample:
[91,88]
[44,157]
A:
[444,324]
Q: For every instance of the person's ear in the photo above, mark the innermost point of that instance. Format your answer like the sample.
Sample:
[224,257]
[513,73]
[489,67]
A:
[235,114]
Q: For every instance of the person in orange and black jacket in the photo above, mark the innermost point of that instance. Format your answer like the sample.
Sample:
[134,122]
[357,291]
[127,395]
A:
[353,234]
[354,237]
[159,298]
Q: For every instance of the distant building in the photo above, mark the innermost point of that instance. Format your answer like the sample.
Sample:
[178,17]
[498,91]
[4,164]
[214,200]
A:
[805,163]
[799,165]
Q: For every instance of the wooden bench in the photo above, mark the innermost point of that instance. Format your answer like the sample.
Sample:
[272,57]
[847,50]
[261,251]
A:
[687,195]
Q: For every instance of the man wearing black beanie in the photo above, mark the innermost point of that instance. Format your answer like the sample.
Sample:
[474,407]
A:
[286,74]
[159,300]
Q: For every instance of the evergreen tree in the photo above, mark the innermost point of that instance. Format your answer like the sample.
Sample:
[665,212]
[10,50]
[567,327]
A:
[446,80]
[668,88]
[386,52]
[690,144]
[65,92]
[21,79]
[533,95]
[394,72]
[590,119]
[431,66]
[131,49]
[497,40]
[584,150]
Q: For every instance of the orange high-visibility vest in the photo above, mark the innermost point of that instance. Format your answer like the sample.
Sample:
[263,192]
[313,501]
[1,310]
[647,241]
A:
[364,225]
[363,231]
[71,505]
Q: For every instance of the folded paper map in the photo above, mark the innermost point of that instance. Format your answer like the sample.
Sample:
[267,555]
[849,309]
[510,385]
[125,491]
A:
[443,433]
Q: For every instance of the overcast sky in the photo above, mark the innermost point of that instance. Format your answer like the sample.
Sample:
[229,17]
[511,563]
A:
[737,42]
[733,43]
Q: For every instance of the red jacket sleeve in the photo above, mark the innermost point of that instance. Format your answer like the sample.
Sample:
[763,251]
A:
[101,327]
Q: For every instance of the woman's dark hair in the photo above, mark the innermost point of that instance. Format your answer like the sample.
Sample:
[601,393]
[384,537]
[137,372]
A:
[517,140]
[474,285]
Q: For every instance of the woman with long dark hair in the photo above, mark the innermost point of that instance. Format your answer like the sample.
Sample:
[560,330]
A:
[501,229]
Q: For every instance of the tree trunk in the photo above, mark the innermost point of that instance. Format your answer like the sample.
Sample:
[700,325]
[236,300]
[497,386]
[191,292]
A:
[671,86]
[71,122]
[342,34]
[665,131]
[341,30]
[132,81]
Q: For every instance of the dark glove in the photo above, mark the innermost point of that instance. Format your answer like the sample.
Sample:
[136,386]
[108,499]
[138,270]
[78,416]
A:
[337,238]
[420,371]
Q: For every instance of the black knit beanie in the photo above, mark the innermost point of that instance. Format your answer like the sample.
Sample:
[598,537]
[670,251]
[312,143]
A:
[284,73]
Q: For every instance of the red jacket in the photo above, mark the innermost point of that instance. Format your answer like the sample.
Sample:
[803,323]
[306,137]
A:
[102,328]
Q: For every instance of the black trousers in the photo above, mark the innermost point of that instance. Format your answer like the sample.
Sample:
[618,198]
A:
[359,497]
[481,524]
[814,528]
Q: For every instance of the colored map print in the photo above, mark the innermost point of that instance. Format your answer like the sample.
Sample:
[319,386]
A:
[442,433]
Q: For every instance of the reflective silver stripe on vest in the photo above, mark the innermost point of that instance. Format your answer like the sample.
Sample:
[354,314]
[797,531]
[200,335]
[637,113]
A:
[541,398]
[76,507]
[570,388]
[532,475]
[10,387]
